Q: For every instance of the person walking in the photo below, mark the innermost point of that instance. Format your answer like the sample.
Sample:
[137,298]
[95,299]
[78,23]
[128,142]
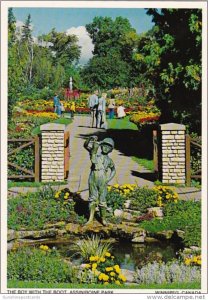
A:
[93,106]
[101,111]
[57,105]
[111,107]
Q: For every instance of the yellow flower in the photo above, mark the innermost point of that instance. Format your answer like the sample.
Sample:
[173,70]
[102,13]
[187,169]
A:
[102,259]
[117,282]
[100,277]
[65,197]
[105,283]
[87,266]
[92,258]
[117,269]
[116,185]
[122,277]
[94,266]
[187,261]
[112,273]
[105,277]
[108,254]
[108,269]
[56,195]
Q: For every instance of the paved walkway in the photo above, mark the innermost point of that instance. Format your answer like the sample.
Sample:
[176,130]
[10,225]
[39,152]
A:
[127,170]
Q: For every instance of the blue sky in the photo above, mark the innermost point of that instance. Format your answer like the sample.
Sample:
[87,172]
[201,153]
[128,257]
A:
[73,21]
[44,19]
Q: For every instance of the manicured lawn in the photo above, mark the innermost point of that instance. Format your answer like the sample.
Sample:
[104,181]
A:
[61,120]
[121,124]
[148,164]
[35,284]
[34,184]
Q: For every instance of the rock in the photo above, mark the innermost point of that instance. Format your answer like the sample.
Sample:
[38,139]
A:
[118,213]
[151,240]
[180,233]
[127,204]
[156,211]
[72,228]
[128,274]
[56,225]
[11,235]
[124,215]
[195,248]
[139,239]
[166,234]
[46,233]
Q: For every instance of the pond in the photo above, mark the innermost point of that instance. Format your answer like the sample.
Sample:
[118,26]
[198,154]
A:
[130,256]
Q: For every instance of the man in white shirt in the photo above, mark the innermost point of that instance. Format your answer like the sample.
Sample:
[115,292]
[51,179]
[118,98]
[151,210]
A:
[93,105]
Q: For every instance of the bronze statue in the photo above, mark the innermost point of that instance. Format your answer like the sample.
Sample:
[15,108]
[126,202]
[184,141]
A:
[102,171]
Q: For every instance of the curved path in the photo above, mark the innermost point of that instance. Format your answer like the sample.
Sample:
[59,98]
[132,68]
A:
[127,170]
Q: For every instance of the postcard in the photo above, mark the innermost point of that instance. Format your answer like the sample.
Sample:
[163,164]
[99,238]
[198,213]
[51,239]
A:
[103,148]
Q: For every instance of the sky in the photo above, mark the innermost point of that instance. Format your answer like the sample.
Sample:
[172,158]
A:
[73,21]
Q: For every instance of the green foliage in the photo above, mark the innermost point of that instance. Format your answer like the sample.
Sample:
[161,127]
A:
[174,71]
[36,265]
[34,210]
[91,246]
[183,215]
[114,42]
[115,200]
[143,198]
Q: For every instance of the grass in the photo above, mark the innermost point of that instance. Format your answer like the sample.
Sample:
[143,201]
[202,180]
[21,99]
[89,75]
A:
[148,164]
[121,124]
[61,120]
[36,284]
[34,184]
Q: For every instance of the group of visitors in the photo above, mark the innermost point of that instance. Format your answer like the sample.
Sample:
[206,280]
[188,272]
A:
[97,107]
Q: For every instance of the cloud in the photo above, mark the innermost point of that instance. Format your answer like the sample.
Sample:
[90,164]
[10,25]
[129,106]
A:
[84,41]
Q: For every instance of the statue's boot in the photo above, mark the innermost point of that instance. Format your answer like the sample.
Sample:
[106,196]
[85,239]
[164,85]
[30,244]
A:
[103,215]
[92,213]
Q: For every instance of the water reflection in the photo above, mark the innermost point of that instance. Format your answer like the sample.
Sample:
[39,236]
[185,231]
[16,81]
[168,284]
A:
[130,256]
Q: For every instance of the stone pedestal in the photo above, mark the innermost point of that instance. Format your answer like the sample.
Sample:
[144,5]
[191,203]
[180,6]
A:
[173,153]
[52,155]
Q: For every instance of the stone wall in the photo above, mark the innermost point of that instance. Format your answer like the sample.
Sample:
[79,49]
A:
[52,157]
[173,153]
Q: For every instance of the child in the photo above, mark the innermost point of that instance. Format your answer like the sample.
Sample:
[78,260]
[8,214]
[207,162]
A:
[62,108]
[102,171]
[72,109]
[121,112]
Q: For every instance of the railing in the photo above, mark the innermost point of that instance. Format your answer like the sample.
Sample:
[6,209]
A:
[30,174]
[189,171]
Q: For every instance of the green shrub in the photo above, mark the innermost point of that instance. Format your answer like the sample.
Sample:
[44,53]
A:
[37,265]
[115,200]
[173,272]
[142,198]
[34,210]
[183,215]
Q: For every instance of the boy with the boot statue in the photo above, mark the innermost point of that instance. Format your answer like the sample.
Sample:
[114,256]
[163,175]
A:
[102,171]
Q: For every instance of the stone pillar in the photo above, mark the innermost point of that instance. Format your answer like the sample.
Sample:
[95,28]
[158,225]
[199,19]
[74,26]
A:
[52,154]
[173,153]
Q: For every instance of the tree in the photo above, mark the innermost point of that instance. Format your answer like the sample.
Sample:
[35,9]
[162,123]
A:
[170,58]
[114,42]
[11,26]
[64,47]
[106,72]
